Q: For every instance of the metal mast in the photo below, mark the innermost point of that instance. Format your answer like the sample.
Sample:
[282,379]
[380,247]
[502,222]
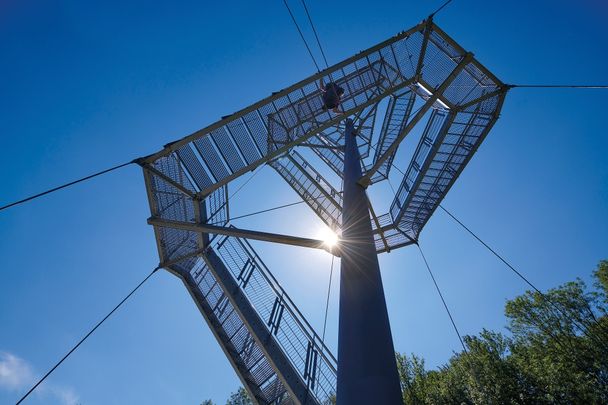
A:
[367,370]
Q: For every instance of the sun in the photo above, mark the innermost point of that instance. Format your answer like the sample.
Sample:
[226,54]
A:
[329,237]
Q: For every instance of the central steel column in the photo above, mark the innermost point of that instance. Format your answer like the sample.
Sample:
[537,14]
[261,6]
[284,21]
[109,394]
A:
[367,370]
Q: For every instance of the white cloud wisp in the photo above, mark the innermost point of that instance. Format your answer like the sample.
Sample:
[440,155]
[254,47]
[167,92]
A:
[16,374]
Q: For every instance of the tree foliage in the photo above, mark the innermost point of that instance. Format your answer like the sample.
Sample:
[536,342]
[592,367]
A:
[557,353]
[240,397]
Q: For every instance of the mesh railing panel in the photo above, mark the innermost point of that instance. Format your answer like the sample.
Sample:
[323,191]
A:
[365,127]
[194,167]
[173,204]
[486,106]
[333,158]
[293,334]
[422,190]
[440,59]
[324,200]
[406,53]
[231,329]
[245,143]
[217,210]
[211,157]
[390,237]
[470,84]
[429,135]
[227,148]
[397,114]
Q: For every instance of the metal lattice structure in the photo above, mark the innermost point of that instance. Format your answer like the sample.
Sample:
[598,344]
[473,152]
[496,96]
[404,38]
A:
[419,80]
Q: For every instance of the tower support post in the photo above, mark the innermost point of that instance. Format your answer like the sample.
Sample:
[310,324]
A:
[367,369]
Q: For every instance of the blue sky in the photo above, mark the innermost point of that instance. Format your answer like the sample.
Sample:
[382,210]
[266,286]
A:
[84,87]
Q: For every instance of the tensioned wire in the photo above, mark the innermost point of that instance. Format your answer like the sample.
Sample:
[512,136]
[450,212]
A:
[579,325]
[445,305]
[314,30]
[510,86]
[49,191]
[145,279]
[86,336]
[302,36]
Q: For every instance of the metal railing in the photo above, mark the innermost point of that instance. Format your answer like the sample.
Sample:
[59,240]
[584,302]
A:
[298,340]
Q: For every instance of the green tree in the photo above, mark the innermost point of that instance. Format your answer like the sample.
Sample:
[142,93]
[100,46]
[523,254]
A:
[240,397]
[557,354]
[560,345]
[601,281]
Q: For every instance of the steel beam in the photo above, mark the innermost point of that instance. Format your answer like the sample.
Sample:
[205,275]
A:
[460,49]
[153,209]
[319,180]
[242,233]
[224,341]
[173,146]
[463,165]
[486,96]
[443,132]
[169,180]
[367,370]
[280,362]
[427,33]
[378,227]
[366,180]
[167,264]
[268,157]
[333,159]
[312,145]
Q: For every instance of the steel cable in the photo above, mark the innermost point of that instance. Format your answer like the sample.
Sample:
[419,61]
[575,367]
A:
[86,336]
[445,305]
[66,185]
[314,30]
[581,327]
[302,36]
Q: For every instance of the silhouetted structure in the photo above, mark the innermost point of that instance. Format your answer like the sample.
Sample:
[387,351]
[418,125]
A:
[418,75]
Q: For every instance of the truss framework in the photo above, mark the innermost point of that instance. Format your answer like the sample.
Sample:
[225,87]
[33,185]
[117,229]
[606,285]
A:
[418,76]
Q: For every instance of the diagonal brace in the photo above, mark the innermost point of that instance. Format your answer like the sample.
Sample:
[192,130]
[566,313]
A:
[169,180]
[366,179]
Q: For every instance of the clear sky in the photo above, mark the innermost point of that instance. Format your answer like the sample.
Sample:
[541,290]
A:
[84,87]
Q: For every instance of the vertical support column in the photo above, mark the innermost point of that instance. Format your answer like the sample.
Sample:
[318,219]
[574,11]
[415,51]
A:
[367,370]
